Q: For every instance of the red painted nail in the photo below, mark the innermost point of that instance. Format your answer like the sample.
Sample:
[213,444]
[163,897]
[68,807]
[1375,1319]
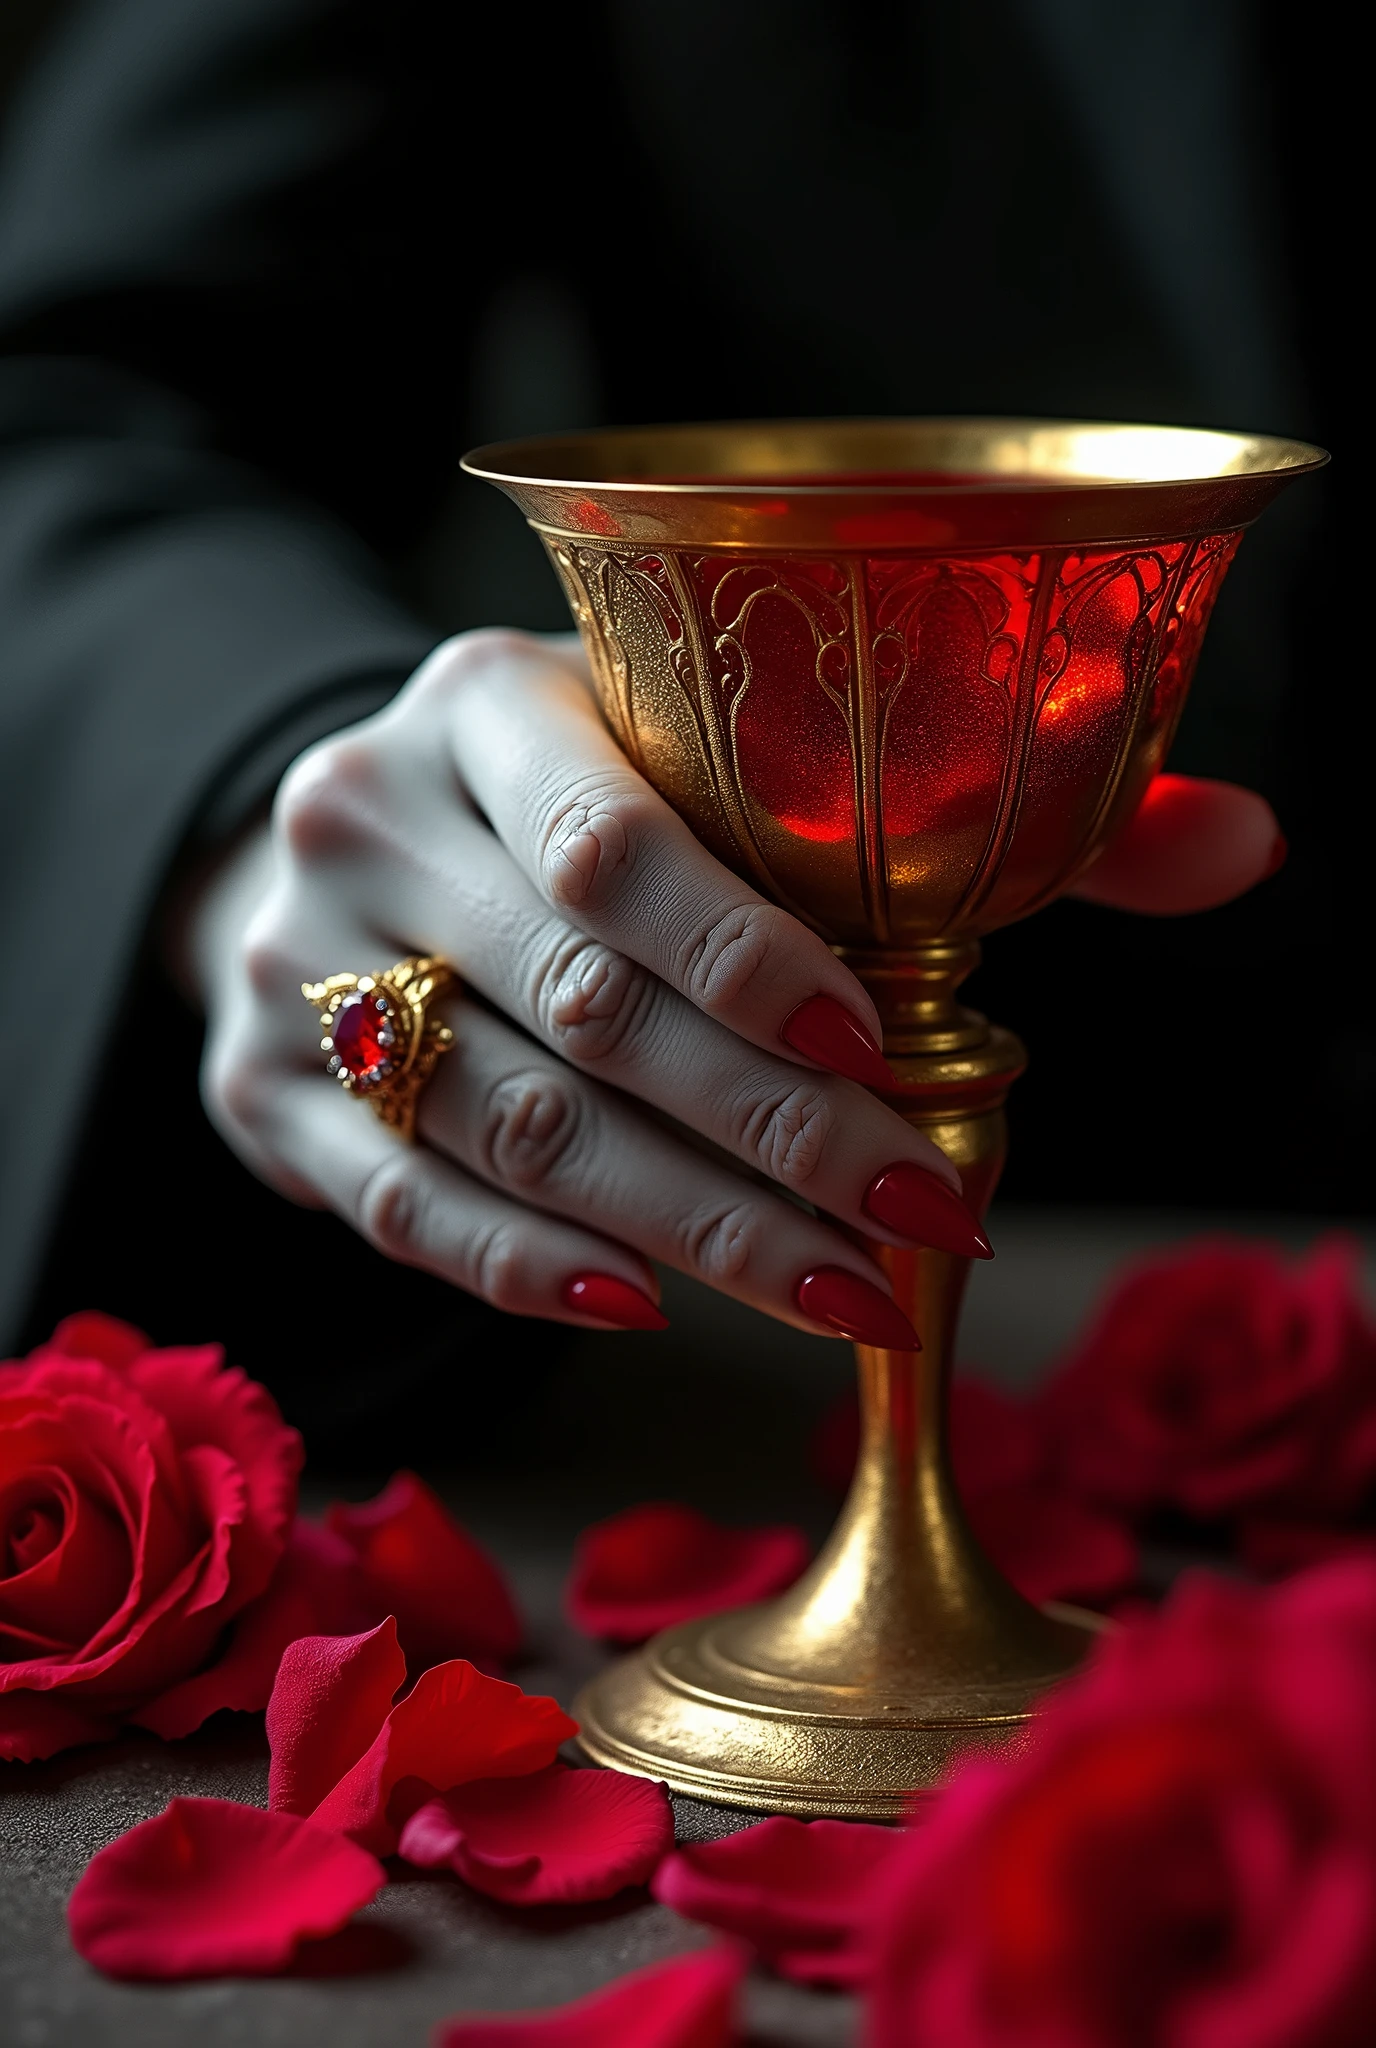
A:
[1279,855]
[844,1302]
[609,1300]
[915,1203]
[824,1030]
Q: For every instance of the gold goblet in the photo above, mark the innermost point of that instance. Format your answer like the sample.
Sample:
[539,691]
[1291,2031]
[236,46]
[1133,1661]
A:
[906,677]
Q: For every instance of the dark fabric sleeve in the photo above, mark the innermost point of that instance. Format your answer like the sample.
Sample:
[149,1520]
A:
[176,619]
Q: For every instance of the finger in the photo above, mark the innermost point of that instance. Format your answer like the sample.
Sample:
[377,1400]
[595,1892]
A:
[527,1124]
[602,847]
[1190,845]
[419,1209]
[821,1137]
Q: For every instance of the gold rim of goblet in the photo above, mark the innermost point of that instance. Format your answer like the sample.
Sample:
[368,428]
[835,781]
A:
[1022,455]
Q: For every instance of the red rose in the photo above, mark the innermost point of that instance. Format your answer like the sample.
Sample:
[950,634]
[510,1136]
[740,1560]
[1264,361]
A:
[1222,1380]
[145,1500]
[1186,1857]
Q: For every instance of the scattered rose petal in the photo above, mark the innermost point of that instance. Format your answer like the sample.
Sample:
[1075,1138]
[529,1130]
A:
[455,1725]
[331,1696]
[448,1596]
[341,1750]
[686,2003]
[652,1566]
[800,1892]
[554,1834]
[210,1888]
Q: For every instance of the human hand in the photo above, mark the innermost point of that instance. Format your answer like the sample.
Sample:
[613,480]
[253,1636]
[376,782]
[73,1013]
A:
[616,975]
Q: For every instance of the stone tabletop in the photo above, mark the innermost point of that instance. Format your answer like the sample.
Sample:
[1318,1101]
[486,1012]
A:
[716,1411]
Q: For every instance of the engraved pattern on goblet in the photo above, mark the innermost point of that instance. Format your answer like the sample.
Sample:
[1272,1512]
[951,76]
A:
[896,747]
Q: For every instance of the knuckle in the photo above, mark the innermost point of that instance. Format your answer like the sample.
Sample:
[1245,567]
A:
[719,1243]
[532,1123]
[721,964]
[391,1209]
[590,842]
[470,658]
[323,804]
[501,1266]
[592,1002]
[271,968]
[788,1134]
[234,1091]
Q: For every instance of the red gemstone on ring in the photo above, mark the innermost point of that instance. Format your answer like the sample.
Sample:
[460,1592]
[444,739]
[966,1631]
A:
[363,1036]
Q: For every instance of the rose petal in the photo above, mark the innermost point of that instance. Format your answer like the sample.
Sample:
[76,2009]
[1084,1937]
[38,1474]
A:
[801,1892]
[330,1697]
[448,1597]
[210,1887]
[688,2002]
[221,1498]
[1054,1547]
[38,1724]
[207,1403]
[118,1452]
[1272,1548]
[68,1568]
[555,1834]
[314,1592]
[662,1563]
[89,1334]
[455,1725]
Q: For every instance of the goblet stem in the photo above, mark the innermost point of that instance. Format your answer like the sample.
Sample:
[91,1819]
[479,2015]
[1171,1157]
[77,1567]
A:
[902,1645]
[902,1600]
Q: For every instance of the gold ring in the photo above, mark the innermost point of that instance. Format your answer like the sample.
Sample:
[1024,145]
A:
[380,1041]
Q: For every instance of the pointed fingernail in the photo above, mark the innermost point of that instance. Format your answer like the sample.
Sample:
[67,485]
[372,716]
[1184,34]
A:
[841,1300]
[824,1030]
[915,1203]
[609,1300]
[1279,855]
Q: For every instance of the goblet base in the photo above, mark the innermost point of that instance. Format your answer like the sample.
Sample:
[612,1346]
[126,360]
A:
[685,1711]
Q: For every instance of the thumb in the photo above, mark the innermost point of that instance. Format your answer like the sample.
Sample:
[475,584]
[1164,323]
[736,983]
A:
[1190,845]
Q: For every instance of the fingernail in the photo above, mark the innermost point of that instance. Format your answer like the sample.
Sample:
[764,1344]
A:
[843,1301]
[1279,854]
[918,1205]
[609,1300]
[824,1030]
